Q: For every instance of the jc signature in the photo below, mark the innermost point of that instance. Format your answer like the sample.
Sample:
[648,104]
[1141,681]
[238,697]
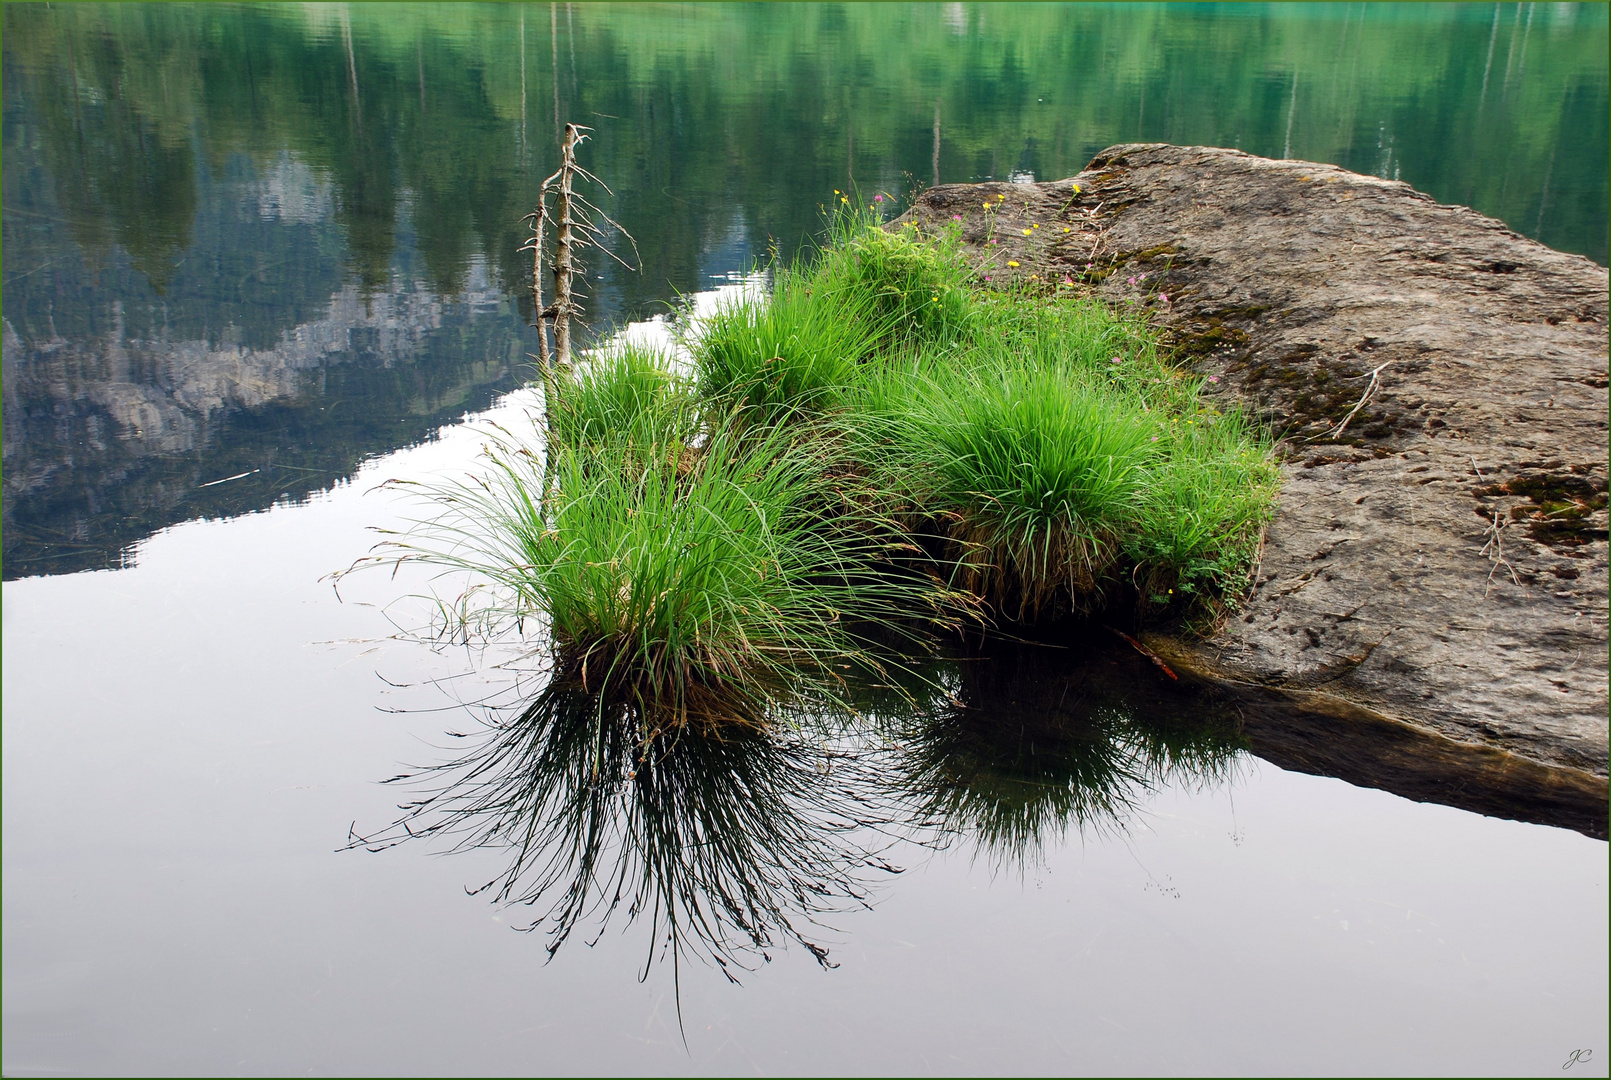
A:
[1579,1057]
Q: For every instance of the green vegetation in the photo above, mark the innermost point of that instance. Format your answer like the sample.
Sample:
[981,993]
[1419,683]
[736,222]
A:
[875,446]
[697,565]
[1040,435]
[433,121]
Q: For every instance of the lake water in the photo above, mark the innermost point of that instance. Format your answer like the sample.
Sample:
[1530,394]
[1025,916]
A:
[258,260]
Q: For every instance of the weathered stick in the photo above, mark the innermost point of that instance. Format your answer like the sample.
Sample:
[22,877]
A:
[564,259]
[539,226]
[572,217]
[1370,390]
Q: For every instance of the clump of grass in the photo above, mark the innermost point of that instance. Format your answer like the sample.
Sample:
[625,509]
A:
[907,287]
[876,441]
[1033,467]
[1067,459]
[801,351]
[707,588]
[625,395]
[1205,501]
[790,355]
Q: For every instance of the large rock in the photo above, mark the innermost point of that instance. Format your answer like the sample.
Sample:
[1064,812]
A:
[1438,554]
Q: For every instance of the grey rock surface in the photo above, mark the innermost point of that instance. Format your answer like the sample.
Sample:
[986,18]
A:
[1438,557]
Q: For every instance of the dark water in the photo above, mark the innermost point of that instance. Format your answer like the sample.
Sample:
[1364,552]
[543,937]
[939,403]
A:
[259,259]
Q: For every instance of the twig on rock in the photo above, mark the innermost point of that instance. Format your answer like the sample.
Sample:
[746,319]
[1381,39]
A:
[1495,551]
[1370,390]
[1148,653]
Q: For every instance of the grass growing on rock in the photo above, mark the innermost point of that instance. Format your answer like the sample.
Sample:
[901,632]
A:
[697,566]
[881,443]
[1045,437]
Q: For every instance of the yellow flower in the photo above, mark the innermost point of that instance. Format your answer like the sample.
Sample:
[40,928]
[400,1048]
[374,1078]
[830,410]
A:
[1027,232]
[986,205]
[1012,262]
[836,191]
[844,200]
[1076,189]
[1065,228]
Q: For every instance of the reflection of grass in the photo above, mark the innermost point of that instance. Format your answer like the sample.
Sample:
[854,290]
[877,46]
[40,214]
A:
[732,840]
[1021,748]
[730,843]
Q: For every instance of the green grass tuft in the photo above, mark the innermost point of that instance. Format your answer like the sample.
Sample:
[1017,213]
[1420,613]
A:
[706,588]
[624,396]
[1034,468]
[789,355]
[876,444]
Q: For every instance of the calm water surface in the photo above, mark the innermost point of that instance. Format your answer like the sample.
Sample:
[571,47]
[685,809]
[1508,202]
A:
[259,259]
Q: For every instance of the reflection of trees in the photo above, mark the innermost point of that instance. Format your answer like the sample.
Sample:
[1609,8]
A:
[728,842]
[1029,741]
[126,173]
[723,117]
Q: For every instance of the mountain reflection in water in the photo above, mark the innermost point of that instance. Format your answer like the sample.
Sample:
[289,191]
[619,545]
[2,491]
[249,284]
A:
[734,841]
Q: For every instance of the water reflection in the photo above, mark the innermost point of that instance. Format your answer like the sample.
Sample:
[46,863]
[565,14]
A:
[187,186]
[110,437]
[732,842]
[728,842]
[1028,742]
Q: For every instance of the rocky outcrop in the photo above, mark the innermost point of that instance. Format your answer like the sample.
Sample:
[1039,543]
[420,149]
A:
[1438,383]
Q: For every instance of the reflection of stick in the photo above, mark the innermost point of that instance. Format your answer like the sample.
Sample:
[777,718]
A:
[1375,382]
[1148,653]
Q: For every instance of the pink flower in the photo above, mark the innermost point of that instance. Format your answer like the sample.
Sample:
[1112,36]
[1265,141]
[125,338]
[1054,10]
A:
[1164,297]
[956,217]
[1068,281]
[1213,378]
[1117,360]
[878,198]
[1132,281]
